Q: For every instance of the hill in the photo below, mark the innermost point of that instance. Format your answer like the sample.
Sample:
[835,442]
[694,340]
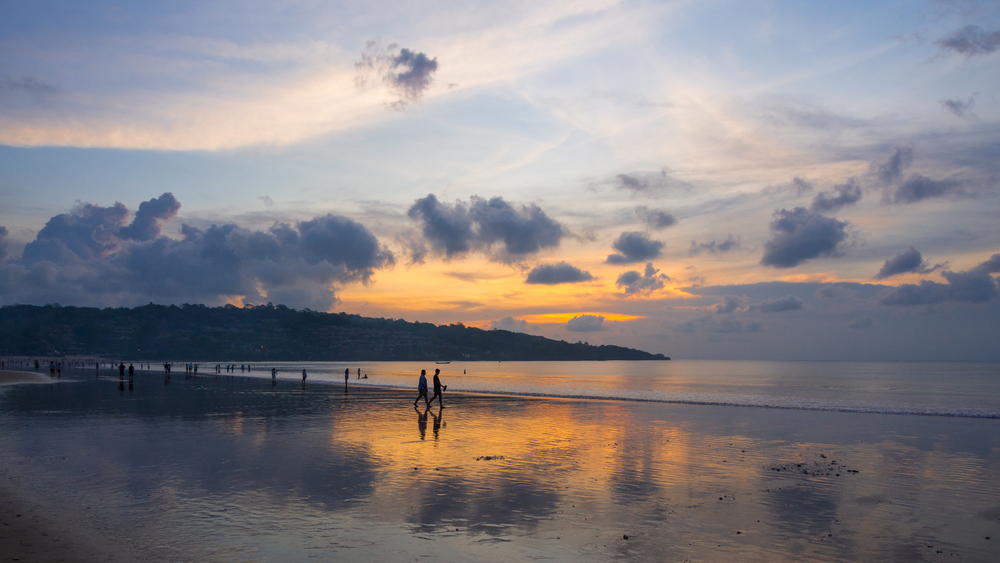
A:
[266,332]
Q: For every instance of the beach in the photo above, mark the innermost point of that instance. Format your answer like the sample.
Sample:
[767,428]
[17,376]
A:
[229,468]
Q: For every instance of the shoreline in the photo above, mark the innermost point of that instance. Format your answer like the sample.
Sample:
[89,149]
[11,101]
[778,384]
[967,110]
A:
[12,377]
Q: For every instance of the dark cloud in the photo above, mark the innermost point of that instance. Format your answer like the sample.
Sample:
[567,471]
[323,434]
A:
[971,286]
[990,266]
[971,40]
[907,261]
[802,186]
[28,84]
[686,327]
[642,283]
[494,226]
[511,324]
[586,323]
[832,291]
[88,257]
[918,188]
[862,322]
[892,169]
[654,218]
[648,183]
[842,194]
[552,274]
[729,304]
[798,235]
[975,285]
[634,247]
[3,243]
[786,303]
[959,107]
[146,226]
[404,72]
[715,247]
[731,326]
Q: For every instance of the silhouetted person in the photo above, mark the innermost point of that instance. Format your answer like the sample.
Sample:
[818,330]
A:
[52,368]
[304,376]
[274,377]
[422,388]
[347,375]
[131,371]
[121,371]
[438,390]
[359,373]
[36,365]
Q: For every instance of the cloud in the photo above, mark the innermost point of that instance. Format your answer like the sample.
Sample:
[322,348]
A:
[832,291]
[990,266]
[891,170]
[654,218]
[146,226]
[971,40]
[975,285]
[907,261]
[586,323]
[802,186]
[729,304]
[644,283]
[506,232]
[634,247]
[797,236]
[405,73]
[786,303]
[511,324]
[918,188]
[3,243]
[28,84]
[731,326]
[959,107]
[88,256]
[268,202]
[552,274]
[862,322]
[714,247]
[648,183]
[843,194]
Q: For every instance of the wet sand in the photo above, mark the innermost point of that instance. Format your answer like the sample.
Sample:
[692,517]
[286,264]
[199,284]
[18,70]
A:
[231,469]
[12,377]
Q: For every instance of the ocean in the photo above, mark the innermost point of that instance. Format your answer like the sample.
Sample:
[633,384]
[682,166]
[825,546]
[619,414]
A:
[564,461]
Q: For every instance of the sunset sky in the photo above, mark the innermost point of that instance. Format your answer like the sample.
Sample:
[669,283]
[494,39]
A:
[746,180]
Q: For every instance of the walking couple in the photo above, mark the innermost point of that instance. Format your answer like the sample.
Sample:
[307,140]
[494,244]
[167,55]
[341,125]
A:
[438,389]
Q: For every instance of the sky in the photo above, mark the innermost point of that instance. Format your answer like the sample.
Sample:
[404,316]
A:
[715,179]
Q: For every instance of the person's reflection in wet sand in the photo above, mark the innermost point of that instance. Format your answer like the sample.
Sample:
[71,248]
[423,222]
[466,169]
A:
[422,421]
[121,388]
[437,422]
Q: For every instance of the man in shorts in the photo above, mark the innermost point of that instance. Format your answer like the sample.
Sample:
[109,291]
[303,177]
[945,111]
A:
[422,388]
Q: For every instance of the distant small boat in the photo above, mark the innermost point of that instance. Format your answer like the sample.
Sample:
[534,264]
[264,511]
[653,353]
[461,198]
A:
[443,362]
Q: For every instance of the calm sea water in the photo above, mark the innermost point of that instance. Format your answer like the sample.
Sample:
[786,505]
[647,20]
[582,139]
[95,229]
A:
[227,469]
[925,388]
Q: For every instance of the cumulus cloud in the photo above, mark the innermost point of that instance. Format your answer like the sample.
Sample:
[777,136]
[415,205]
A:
[798,235]
[89,256]
[642,283]
[654,218]
[802,186]
[961,108]
[832,292]
[862,322]
[586,323]
[975,285]
[508,233]
[907,261]
[407,74]
[842,194]
[634,247]
[511,324]
[786,303]
[971,40]
[918,188]
[552,274]
[146,225]
[892,169]
[729,304]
